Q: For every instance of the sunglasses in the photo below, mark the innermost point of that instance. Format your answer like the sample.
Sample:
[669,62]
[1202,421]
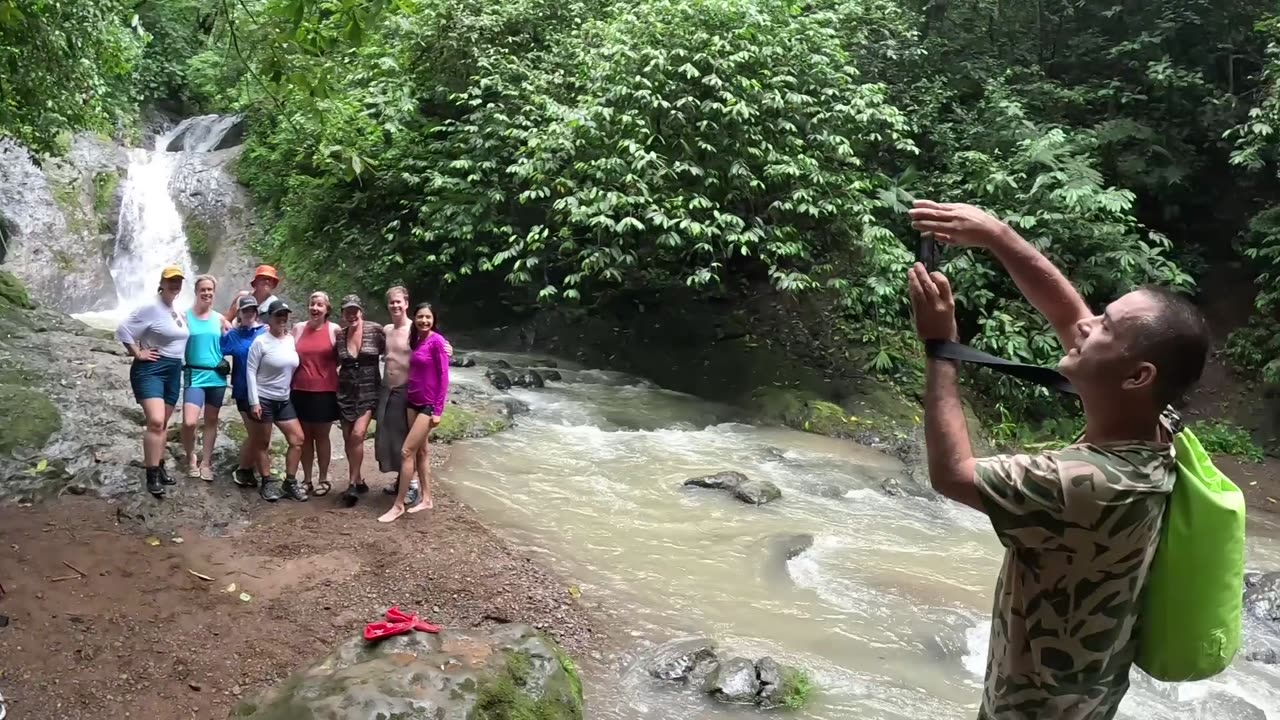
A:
[176,318]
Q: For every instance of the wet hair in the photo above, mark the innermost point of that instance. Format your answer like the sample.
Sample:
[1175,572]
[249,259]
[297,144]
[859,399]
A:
[206,278]
[397,290]
[414,339]
[328,305]
[1175,339]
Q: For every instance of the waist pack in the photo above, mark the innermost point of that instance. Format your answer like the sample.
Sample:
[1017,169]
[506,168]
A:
[1192,606]
[223,368]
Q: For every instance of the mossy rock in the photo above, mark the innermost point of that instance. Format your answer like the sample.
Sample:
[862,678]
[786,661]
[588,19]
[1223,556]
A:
[459,423]
[509,672]
[28,417]
[13,292]
[105,185]
[198,241]
[805,411]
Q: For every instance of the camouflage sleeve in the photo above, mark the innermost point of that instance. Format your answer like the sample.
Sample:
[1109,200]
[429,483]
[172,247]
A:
[1023,496]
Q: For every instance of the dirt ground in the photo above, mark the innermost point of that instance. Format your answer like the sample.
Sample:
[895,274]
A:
[138,635]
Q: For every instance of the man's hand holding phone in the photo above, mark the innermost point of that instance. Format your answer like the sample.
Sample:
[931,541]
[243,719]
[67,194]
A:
[957,223]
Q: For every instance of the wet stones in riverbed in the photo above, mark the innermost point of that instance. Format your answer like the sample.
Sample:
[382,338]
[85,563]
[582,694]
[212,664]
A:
[462,361]
[528,379]
[895,487]
[738,680]
[752,492]
[498,379]
[551,375]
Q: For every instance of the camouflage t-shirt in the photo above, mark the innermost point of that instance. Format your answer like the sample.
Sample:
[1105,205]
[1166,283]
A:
[1080,526]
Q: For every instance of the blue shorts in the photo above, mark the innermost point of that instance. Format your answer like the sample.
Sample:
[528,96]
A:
[161,378]
[201,396]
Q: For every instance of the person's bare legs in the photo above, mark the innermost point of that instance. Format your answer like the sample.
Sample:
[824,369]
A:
[353,435]
[419,427]
[210,439]
[292,431]
[190,422]
[424,475]
[423,462]
[157,418]
[260,439]
[308,450]
[248,449]
[324,448]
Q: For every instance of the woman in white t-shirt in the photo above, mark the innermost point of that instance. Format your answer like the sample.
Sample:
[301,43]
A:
[272,361]
[155,335]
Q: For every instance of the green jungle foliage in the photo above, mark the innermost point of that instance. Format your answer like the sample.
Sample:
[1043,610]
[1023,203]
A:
[571,151]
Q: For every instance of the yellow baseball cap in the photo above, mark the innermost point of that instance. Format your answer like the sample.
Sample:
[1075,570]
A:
[171,272]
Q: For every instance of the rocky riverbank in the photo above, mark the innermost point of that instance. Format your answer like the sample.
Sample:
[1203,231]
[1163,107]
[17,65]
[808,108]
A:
[116,605]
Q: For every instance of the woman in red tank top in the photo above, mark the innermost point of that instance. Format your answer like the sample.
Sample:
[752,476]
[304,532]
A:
[315,388]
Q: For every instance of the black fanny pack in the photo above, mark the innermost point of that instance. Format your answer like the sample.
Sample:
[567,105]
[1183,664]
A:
[223,368]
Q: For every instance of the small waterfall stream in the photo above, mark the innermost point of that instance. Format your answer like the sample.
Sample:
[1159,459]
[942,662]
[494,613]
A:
[151,234]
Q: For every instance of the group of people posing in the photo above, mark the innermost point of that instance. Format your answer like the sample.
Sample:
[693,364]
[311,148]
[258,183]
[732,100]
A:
[298,378]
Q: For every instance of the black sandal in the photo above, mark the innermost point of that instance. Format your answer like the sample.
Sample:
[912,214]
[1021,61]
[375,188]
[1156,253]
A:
[325,487]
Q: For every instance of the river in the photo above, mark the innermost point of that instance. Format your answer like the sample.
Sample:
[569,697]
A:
[888,609]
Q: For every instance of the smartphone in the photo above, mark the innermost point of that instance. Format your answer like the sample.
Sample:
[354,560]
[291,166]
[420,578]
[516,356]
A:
[927,253]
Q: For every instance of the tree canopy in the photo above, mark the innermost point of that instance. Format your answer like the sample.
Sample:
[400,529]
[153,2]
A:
[579,149]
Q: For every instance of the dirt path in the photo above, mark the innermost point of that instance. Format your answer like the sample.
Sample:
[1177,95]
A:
[139,636]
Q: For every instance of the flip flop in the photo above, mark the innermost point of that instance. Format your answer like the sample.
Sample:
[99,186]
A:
[324,488]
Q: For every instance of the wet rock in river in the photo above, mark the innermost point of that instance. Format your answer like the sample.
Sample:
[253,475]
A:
[754,492]
[502,364]
[528,379]
[508,672]
[686,661]
[498,379]
[552,375]
[788,547]
[1262,597]
[735,681]
[461,361]
[894,487]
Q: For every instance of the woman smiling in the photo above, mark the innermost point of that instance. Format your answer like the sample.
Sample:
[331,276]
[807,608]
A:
[155,335]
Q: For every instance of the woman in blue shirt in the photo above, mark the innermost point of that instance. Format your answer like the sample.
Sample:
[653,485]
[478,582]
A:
[205,379]
[236,343]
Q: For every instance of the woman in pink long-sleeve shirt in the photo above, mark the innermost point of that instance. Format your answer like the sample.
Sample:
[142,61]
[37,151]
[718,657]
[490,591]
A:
[427,391]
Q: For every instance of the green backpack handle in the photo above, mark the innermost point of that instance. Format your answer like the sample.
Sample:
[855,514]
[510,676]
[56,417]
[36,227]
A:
[1192,613]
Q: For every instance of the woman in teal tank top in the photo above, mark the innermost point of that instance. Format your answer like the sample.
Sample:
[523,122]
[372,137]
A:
[204,378]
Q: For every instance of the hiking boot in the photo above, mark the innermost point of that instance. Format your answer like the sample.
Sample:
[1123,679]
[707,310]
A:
[154,484]
[164,476]
[415,493]
[349,497]
[270,490]
[362,488]
[244,477]
[294,490]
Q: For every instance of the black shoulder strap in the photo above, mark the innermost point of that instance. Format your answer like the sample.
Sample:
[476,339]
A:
[1048,377]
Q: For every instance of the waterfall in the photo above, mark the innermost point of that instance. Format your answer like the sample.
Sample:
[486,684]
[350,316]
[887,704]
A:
[150,235]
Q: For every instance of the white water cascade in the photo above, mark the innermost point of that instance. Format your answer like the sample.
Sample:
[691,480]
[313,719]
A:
[150,235]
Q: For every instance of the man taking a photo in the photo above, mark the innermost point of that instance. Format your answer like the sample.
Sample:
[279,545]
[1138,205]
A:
[1080,525]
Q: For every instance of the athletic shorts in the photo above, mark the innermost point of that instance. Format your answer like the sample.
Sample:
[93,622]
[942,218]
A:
[315,407]
[161,378]
[274,411]
[202,396]
[423,409]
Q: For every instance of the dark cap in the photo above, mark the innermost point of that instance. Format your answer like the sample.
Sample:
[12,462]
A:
[352,300]
[248,302]
[276,307]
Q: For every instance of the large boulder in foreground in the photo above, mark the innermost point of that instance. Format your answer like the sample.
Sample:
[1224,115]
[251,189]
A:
[510,672]
[752,492]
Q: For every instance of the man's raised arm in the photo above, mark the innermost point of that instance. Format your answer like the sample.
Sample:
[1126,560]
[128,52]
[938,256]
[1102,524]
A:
[1044,286]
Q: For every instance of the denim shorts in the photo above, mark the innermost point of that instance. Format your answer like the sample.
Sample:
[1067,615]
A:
[201,396]
[160,378]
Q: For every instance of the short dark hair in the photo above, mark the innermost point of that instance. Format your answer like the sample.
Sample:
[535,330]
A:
[1175,340]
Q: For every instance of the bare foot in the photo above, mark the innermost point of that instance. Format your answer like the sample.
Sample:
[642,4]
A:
[393,514]
[422,505]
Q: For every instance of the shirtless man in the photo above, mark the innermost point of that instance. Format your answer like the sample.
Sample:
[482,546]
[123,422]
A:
[392,413]
[265,282]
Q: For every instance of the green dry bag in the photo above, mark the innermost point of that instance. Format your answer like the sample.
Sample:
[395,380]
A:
[1192,606]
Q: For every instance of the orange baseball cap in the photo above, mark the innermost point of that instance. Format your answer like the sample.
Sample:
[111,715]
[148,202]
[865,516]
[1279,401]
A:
[171,272]
[266,271]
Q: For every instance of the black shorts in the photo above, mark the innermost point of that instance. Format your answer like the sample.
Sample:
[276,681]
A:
[274,411]
[423,409]
[315,407]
